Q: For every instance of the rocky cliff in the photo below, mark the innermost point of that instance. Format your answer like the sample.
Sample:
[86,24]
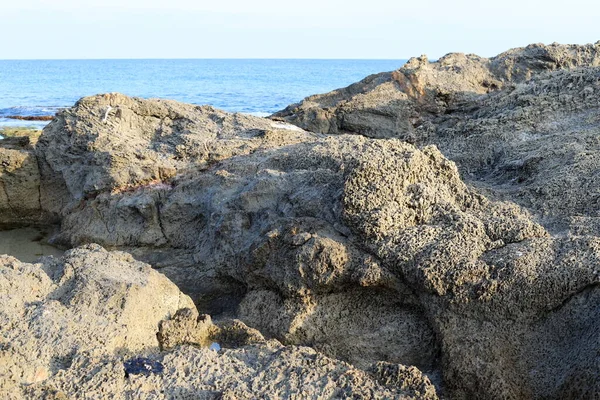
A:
[449,249]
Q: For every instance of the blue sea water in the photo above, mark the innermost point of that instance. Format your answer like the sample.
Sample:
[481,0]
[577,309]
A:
[256,86]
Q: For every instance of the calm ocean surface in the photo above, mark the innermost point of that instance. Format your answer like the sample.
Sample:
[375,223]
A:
[260,87]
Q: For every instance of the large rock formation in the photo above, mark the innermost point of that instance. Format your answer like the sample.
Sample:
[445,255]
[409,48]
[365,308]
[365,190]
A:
[69,329]
[522,124]
[370,251]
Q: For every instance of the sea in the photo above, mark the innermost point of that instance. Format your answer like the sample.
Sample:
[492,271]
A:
[255,86]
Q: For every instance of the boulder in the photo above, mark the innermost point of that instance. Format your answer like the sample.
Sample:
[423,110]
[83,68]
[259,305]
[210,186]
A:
[91,303]
[113,143]
[75,327]
[474,279]
[369,251]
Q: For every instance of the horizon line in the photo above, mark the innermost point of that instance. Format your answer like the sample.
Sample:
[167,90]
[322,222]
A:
[202,58]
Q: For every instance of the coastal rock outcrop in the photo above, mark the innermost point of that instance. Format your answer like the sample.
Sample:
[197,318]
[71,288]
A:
[366,250]
[521,126]
[70,327]
[404,260]
[112,143]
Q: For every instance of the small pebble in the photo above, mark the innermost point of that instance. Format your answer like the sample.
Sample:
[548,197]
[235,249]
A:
[215,347]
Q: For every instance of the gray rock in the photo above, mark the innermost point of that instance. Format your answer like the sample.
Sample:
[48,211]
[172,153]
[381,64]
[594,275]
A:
[521,126]
[114,143]
[371,251]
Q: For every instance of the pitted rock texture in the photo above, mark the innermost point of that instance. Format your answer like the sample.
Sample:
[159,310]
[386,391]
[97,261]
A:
[91,302]
[521,125]
[69,326]
[19,184]
[114,143]
[369,250]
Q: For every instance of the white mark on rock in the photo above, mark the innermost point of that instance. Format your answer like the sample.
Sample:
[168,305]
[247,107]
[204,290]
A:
[106,114]
[288,127]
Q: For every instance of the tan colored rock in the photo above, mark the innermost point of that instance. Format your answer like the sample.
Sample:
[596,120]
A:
[521,126]
[186,327]
[19,184]
[67,327]
[92,302]
[234,333]
[367,250]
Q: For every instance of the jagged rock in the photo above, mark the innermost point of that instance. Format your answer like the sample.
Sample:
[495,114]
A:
[83,326]
[186,327]
[112,143]
[92,302]
[367,250]
[235,333]
[409,378]
[521,126]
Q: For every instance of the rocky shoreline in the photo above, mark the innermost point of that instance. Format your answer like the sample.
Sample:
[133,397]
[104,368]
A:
[30,117]
[426,233]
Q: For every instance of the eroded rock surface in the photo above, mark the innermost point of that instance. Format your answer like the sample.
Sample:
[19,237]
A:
[521,125]
[114,143]
[19,184]
[364,247]
[67,328]
[368,250]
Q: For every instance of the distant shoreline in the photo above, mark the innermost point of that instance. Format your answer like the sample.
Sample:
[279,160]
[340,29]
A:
[30,117]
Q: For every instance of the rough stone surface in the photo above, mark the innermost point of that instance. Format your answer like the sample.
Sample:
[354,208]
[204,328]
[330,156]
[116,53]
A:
[370,250]
[114,143]
[408,377]
[19,184]
[522,125]
[68,327]
[92,302]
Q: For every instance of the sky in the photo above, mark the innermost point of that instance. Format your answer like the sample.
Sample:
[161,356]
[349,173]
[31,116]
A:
[370,29]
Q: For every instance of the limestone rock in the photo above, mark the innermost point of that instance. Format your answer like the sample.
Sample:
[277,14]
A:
[67,327]
[367,250]
[114,143]
[521,126]
[409,378]
[267,371]
[186,327]
[19,184]
[371,251]
[92,302]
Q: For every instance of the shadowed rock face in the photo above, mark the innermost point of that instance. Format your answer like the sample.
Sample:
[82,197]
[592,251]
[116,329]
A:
[368,250]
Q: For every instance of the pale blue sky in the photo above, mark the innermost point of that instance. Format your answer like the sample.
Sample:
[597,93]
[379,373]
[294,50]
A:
[43,29]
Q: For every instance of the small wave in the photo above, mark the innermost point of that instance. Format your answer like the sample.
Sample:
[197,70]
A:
[29,111]
[15,123]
